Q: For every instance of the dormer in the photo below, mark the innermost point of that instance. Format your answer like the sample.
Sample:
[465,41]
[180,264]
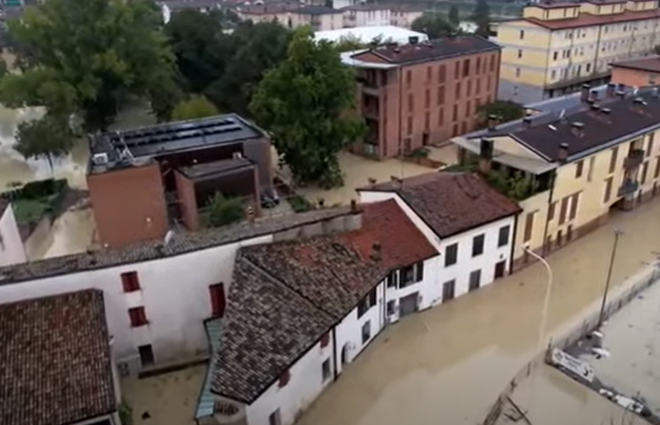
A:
[548,11]
[604,7]
[641,5]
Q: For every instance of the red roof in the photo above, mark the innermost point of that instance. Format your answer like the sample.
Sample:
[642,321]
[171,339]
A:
[402,243]
[587,19]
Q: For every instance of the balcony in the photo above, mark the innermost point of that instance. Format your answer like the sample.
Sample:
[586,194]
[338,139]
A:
[628,187]
[634,159]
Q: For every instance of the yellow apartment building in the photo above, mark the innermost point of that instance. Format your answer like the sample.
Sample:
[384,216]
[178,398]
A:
[556,47]
[572,168]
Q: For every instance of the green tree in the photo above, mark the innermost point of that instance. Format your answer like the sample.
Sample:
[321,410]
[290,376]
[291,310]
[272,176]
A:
[434,25]
[349,43]
[454,17]
[224,210]
[48,138]
[306,104]
[84,58]
[195,107]
[504,110]
[481,17]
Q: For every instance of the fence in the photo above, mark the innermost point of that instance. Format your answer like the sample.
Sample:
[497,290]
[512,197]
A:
[641,281]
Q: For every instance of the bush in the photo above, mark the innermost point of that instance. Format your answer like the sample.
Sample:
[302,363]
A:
[300,204]
[224,210]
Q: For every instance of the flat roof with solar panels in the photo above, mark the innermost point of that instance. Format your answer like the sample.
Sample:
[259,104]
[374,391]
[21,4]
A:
[120,149]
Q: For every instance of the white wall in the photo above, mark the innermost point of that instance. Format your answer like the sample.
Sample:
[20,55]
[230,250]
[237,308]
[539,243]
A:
[12,250]
[349,331]
[304,386]
[174,292]
[484,262]
[429,288]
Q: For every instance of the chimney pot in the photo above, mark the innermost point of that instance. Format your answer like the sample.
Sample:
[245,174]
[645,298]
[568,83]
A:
[584,93]
[611,89]
[492,122]
[563,152]
[354,208]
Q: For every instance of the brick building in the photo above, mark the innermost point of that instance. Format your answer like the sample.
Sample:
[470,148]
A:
[422,93]
[637,73]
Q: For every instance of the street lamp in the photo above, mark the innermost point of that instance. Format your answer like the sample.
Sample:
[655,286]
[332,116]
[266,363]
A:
[601,316]
[546,301]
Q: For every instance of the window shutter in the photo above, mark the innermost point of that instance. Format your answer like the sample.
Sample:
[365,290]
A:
[419,271]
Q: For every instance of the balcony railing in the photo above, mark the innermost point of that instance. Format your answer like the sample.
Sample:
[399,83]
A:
[634,159]
[628,187]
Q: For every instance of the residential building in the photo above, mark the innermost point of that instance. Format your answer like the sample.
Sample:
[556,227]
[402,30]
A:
[366,15]
[144,283]
[419,94]
[367,35]
[12,250]
[142,180]
[556,47]
[56,361]
[316,304]
[293,15]
[403,15]
[637,73]
[471,224]
[573,167]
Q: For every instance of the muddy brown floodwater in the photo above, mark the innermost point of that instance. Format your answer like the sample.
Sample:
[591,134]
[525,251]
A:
[447,365]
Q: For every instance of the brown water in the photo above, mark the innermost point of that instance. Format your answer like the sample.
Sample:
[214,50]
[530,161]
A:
[447,365]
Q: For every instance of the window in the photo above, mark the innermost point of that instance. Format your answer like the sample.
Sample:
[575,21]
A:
[517,72]
[575,200]
[519,53]
[138,316]
[650,149]
[366,332]
[217,293]
[478,88]
[410,124]
[441,117]
[468,89]
[441,95]
[522,34]
[411,274]
[325,340]
[554,56]
[285,377]
[551,210]
[274,418]
[455,114]
[645,169]
[428,74]
[448,289]
[478,245]
[408,78]
[130,282]
[325,370]
[451,254]
[563,210]
[468,108]
[466,67]
[457,94]
[475,280]
[411,103]
[657,168]
[146,355]
[492,63]
[613,158]
[463,127]
[457,70]
[393,279]
[391,307]
[590,173]
[608,190]
[478,67]
[503,236]
[579,166]
[442,74]
[367,302]
[529,225]
[427,98]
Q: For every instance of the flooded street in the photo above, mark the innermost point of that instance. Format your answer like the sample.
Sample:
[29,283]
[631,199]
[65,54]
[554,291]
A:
[447,365]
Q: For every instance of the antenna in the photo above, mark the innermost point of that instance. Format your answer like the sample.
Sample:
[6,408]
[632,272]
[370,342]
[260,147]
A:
[125,153]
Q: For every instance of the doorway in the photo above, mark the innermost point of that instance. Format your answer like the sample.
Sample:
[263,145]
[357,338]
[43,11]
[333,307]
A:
[344,354]
[146,355]
[408,304]
[500,268]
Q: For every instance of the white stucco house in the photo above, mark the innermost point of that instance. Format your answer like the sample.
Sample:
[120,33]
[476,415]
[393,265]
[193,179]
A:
[12,250]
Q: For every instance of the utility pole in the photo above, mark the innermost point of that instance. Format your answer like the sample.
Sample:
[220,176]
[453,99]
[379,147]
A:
[601,316]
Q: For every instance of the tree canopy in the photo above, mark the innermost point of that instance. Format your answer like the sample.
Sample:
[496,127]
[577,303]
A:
[195,107]
[434,25]
[306,103]
[481,17]
[454,17]
[48,138]
[84,58]
[505,110]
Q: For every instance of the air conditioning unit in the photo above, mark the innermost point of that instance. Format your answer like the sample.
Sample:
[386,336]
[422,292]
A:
[100,158]
[123,369]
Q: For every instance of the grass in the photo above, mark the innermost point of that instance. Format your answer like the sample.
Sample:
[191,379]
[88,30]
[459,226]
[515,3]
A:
[29,211]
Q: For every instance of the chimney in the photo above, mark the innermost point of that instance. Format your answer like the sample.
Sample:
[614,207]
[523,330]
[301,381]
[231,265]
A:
[485,156]
[611,89]
[621,94]
[577,129]
[638,101]
[621,87]
[584,94]
[527,122]
[595,107]
[594,95]
[396,181]
[413,40]
[562,156]
[354,208]
[376,251]
[492,122]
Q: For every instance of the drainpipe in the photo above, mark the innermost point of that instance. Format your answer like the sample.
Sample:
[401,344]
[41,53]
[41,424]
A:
[513,242]
[547,212]
[334,353]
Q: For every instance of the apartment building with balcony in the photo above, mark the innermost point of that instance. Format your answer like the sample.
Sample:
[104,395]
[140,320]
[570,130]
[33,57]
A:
[419,94]
[580,163]
[556,47]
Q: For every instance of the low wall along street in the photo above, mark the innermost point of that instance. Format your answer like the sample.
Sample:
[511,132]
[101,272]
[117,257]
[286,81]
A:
[618,297]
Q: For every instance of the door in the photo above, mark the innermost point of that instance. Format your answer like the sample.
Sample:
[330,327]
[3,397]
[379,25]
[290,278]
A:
[448,290]
[408,304]
[146,355]
[217,293]
[499,269]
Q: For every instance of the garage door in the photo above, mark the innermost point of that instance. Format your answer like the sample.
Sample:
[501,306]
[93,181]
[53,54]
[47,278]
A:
[408,304]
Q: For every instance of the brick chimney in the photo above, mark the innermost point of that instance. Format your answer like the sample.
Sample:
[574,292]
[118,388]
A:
[485,156]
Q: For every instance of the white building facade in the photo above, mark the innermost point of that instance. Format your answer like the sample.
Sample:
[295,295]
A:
[12,250]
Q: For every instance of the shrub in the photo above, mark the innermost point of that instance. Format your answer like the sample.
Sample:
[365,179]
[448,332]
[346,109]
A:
[224,210]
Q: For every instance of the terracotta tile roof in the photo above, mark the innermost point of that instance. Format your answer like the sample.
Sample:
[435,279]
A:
[55,360]
[650,64]
[330,273]
[451,203]
[181,243]
[434,50]
[385,223]
[267,327]
[587,19]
